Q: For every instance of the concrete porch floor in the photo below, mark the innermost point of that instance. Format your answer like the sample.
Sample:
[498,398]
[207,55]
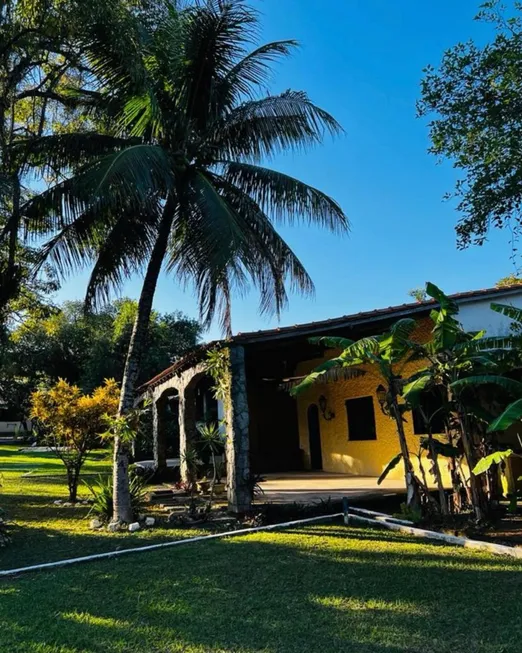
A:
[311,487]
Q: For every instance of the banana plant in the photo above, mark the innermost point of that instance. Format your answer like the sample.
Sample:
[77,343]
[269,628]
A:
[453,355]
[388,353]
[507,355]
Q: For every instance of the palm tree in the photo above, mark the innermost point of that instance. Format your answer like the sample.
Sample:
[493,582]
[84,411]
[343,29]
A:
[178,182]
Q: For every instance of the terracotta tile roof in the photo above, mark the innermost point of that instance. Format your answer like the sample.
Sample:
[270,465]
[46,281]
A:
[195,355]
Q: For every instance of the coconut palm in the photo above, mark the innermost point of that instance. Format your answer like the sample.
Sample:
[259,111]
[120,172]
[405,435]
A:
[178,181]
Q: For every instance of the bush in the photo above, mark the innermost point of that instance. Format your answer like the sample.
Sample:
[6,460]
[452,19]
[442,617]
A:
[103,495]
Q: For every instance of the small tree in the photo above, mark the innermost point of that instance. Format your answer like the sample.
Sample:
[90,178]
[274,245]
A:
[74,422]
[211,440]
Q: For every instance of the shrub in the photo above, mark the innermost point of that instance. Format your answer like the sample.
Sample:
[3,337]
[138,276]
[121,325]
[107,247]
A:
[102,493]
[74,422]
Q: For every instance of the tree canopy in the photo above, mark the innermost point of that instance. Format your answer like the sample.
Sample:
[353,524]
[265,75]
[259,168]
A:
[85,349]
[474,101]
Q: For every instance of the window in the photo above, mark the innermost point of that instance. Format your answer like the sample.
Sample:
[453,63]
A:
[431,403]
[361,419]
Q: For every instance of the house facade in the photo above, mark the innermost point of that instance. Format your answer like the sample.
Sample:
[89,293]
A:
[337,426]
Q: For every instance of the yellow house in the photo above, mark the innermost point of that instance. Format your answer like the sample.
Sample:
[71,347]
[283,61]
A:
[337,426]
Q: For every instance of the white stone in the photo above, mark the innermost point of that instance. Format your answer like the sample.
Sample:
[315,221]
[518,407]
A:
[114,526]
[149,521]
[57,502]
[67,504]
[95,523]
[135,526]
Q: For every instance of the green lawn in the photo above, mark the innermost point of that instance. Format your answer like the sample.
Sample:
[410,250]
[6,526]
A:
[44,532]
[323,588]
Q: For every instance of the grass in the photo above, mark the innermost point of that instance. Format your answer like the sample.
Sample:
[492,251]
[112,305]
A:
[44,532]
[322,588]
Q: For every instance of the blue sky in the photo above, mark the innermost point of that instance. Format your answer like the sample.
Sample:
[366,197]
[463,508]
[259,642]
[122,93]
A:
[362,60]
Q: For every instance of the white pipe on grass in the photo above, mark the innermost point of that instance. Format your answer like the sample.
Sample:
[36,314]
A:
[498,549]
[164,545]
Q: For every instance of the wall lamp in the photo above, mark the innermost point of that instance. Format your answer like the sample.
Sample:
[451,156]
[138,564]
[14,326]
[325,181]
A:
[323,407]
[381,398]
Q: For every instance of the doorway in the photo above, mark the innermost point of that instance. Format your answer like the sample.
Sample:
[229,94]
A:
[314,435]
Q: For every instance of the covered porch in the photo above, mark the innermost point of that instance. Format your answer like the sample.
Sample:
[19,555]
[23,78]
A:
[270,435]
[313,487]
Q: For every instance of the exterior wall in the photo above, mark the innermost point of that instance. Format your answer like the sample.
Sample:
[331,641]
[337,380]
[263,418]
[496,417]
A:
[14,427]
[477,315]
[362,458]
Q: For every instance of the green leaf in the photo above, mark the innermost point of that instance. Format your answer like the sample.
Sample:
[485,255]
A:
[509,311]
[391,465]
[332,342]
[510,416]
[493,459]
[446,303]
[441,448]
[412,391]
[515,387]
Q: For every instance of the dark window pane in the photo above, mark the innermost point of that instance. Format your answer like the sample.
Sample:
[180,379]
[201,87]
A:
[361,419]
[431,404]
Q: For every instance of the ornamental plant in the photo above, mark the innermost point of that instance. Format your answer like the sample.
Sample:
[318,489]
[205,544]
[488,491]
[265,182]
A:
[73,422]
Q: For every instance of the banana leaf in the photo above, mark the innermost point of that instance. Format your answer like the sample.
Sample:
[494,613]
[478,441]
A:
[510,416]
[391,465]
[493,459]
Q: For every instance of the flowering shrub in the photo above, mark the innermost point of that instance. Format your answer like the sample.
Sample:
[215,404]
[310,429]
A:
[73,422]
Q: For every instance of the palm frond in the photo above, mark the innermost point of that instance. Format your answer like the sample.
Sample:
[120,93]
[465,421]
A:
[131,175]
[259,129]
[250,73]
[124,250]
[285,199]
[215,37]
[68,151]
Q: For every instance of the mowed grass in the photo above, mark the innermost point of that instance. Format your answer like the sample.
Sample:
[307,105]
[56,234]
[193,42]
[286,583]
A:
[321,588]
[44,532]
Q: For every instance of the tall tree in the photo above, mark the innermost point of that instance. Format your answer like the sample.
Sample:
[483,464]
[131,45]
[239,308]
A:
[180,182]
[474,100]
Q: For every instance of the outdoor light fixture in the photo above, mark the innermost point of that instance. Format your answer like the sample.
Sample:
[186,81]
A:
[323,407]
[381,397]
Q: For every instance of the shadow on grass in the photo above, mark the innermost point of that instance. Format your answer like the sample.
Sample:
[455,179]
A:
[285,592]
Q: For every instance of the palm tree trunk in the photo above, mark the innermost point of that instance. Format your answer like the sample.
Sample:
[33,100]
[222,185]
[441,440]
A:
[122,509]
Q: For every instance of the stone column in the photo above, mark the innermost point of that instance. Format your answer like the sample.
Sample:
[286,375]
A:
[159,436]
[187,426]
[237,448]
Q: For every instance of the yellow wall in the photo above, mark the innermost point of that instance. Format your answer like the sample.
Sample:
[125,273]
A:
[362,458]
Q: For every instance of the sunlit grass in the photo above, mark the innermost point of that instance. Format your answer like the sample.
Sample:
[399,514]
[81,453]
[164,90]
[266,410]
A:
[321,588]
[42,531]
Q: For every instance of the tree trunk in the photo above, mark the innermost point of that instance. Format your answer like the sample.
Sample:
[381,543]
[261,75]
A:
[478,496]
[122,509]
